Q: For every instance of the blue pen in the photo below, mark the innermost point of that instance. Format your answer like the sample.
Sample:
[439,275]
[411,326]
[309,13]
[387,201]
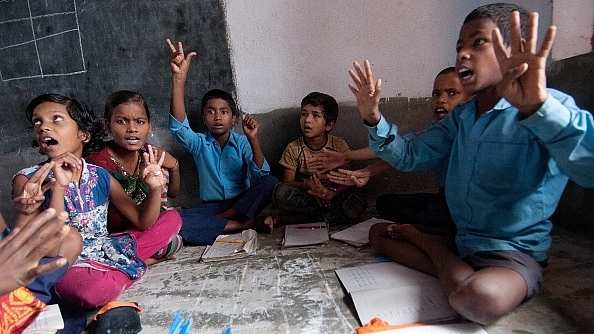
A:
[227,330]
[186,326]
[176,323]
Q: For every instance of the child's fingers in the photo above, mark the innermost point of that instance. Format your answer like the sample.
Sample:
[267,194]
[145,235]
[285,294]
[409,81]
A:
[547,42]
[46,268]
[531,32]
[161,159]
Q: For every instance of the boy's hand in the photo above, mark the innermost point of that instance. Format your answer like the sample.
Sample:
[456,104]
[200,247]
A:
[32,194]
[330,160]
[250,126]
[524,79]
[322,194]
[179,63]
[367,92]
[150,170]
[22,249]
[346,177]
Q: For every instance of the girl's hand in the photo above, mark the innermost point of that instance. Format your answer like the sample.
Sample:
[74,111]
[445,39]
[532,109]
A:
[170,161]
[250,126]
[150,170]
[179,63]
[32,193]
[65,166]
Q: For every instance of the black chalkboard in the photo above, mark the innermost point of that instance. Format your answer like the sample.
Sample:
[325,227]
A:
[88,49]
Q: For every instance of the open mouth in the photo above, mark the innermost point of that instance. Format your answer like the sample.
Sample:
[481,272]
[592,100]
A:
[465,74]
[133,140]
[48,141]
[440,112]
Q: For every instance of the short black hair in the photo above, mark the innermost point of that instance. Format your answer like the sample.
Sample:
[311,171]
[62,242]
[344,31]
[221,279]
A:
[123,96]
[223,95]
[446,70]
[500,14]
[82,114]
[327,102]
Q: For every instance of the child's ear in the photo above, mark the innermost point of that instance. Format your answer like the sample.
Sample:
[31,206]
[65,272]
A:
[86,137]
[329,125]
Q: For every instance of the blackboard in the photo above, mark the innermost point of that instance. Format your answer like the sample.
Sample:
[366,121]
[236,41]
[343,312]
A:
[89,49]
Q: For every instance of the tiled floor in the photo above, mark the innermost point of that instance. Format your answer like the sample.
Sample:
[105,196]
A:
[296,291]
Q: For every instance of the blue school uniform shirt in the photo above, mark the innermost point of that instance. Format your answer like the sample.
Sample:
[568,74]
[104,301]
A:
[224,174]
[506,173]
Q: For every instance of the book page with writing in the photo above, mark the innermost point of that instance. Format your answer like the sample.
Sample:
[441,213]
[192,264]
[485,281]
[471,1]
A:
[459,328]
[380,275]
[422,303]
[305,235]
[357,235]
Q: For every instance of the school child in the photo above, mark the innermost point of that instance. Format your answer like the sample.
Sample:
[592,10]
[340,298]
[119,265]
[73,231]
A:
[66,130]
[235,184]
[305,195]
[511,147]
[127,118]
[428,210]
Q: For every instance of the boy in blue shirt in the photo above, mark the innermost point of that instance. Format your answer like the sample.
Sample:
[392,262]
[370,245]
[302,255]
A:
[512,148]
[235,184]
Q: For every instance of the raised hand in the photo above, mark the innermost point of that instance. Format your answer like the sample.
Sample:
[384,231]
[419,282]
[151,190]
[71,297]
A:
[32,194]
[179,63]
[346,177]
[250,126]
[150,169]
[22,249]
[331,160]
[65,167]
[524,79]
[367,91]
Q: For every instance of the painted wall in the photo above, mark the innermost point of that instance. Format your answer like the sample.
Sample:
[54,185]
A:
[282,49]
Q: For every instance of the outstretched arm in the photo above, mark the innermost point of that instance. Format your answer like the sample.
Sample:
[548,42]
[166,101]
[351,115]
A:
[179,69]
[367,91]
[524,79]
[333,159]
[359,177]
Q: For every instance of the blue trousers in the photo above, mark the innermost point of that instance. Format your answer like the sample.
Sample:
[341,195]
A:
[201,226]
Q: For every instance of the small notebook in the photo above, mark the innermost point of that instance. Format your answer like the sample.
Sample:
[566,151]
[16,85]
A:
[357,235]
[232,246]
[48,321]
[305,235]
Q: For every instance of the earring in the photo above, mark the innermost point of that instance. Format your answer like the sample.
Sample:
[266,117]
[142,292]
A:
[152,135]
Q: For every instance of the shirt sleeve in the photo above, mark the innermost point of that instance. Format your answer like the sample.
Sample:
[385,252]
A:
[184,135]
[248,155]
[568,134]
[412,152]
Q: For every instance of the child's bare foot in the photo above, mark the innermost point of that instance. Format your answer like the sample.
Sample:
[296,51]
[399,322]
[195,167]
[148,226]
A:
[151,260]
[265,224]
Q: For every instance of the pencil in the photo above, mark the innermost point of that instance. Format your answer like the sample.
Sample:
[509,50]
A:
[233,241]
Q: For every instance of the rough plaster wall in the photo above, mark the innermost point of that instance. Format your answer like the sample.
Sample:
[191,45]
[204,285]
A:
[281,49]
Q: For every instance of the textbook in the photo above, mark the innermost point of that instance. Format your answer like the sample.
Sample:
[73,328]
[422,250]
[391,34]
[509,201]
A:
[394,293]
[232,246]
[357,235]
[48,321]
[305,235]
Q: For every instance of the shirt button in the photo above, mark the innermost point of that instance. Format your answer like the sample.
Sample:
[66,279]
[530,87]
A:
[469,159]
